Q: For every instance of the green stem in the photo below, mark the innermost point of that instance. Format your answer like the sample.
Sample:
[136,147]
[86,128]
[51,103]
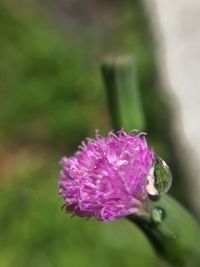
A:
[176,237]
[119,74]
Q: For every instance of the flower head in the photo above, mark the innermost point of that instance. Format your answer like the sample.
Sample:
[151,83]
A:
[107,177]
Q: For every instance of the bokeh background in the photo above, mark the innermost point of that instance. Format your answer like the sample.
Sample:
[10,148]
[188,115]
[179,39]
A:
[51,97]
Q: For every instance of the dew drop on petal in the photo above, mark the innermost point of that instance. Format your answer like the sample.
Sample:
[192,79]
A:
[162,175]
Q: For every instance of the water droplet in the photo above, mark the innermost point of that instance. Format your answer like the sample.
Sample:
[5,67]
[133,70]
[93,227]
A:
[162,176]
[158,214]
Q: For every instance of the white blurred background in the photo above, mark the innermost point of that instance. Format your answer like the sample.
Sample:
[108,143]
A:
[177,34]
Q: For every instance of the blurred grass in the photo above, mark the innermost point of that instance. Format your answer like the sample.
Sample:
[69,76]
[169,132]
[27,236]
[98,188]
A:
[52,97]
[47,85]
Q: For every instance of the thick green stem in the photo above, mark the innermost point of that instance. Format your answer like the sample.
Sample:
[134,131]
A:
[119,73]
[176,237]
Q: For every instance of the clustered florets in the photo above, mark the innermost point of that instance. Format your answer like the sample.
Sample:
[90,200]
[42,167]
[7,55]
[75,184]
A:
[107,177]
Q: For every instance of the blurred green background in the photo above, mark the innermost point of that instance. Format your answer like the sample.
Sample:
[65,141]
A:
[51,97]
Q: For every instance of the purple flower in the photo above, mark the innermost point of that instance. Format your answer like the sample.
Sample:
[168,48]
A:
[108,177]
